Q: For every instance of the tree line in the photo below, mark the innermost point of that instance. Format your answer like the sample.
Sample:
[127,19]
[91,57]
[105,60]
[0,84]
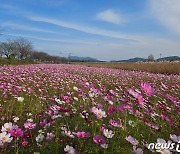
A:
[23,49]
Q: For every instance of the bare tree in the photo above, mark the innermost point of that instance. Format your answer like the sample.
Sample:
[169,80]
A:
[1,52]
[8,49]
[45,57]
[39,56]
[23,48]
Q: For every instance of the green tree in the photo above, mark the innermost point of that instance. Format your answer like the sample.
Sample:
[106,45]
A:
[150,57]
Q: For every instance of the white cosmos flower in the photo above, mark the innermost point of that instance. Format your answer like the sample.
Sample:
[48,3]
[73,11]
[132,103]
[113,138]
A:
[15,119]
[105,146]
[111,102]
[59,101]
[131,123]
[1,143]
[5,137]
[40,138]
[137,150]
[162,150]
[64,128]
[68,133]
[108,133]
[175,138]
[30,120]
[20,99]
[41,131]
[29,114]
[100,113]
[91,94]
[69,149]
[87,84]
[76,99]
[8,126]
[75,88]
[56,116]
[84,114]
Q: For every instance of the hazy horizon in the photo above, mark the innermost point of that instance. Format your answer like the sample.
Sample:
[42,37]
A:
[103,30]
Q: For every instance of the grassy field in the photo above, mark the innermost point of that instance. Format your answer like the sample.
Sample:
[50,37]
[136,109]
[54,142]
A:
[48,108]
[153,67]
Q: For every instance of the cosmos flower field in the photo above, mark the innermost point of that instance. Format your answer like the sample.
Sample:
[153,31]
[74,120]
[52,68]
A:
[49,108]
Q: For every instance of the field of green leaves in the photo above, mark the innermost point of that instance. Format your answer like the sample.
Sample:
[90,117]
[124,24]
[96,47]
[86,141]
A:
[49,108]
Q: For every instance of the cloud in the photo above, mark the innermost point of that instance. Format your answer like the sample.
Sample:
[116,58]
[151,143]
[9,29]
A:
[7,6]
[72,41]
[28,28]
[111,16]
[87,29]
[167,12]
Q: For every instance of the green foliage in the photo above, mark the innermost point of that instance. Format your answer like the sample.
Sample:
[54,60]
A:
[12,61]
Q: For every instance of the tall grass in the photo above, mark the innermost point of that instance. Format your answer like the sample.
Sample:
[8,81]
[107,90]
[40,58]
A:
[153,67]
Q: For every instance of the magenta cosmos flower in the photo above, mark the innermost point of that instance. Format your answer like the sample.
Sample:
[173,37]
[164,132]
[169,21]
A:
[115,123]
[146,87]
[99,139]
[24,143]
[29,125]
[16,132]
[82,135]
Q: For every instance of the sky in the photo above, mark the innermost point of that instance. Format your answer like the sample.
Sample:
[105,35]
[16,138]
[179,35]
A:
[102,29]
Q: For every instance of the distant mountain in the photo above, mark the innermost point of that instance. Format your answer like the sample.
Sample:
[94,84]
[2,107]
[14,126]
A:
[84,59]
[171,58]
[137,59]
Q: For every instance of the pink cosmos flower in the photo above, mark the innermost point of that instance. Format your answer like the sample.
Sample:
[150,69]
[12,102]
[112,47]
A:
[133,93]
[115,123]
[102,129]
[136,95]
[151,125]
[172,98]
[66,99]
[82,135]
[132,140]
[99,139]
[107,98]
[165,117]
[113,92]
[24,143]
[98,112]
[29,125]
[49,136]
[146,87]
[30,90]
[140,98]
[93,109]
[16,132]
